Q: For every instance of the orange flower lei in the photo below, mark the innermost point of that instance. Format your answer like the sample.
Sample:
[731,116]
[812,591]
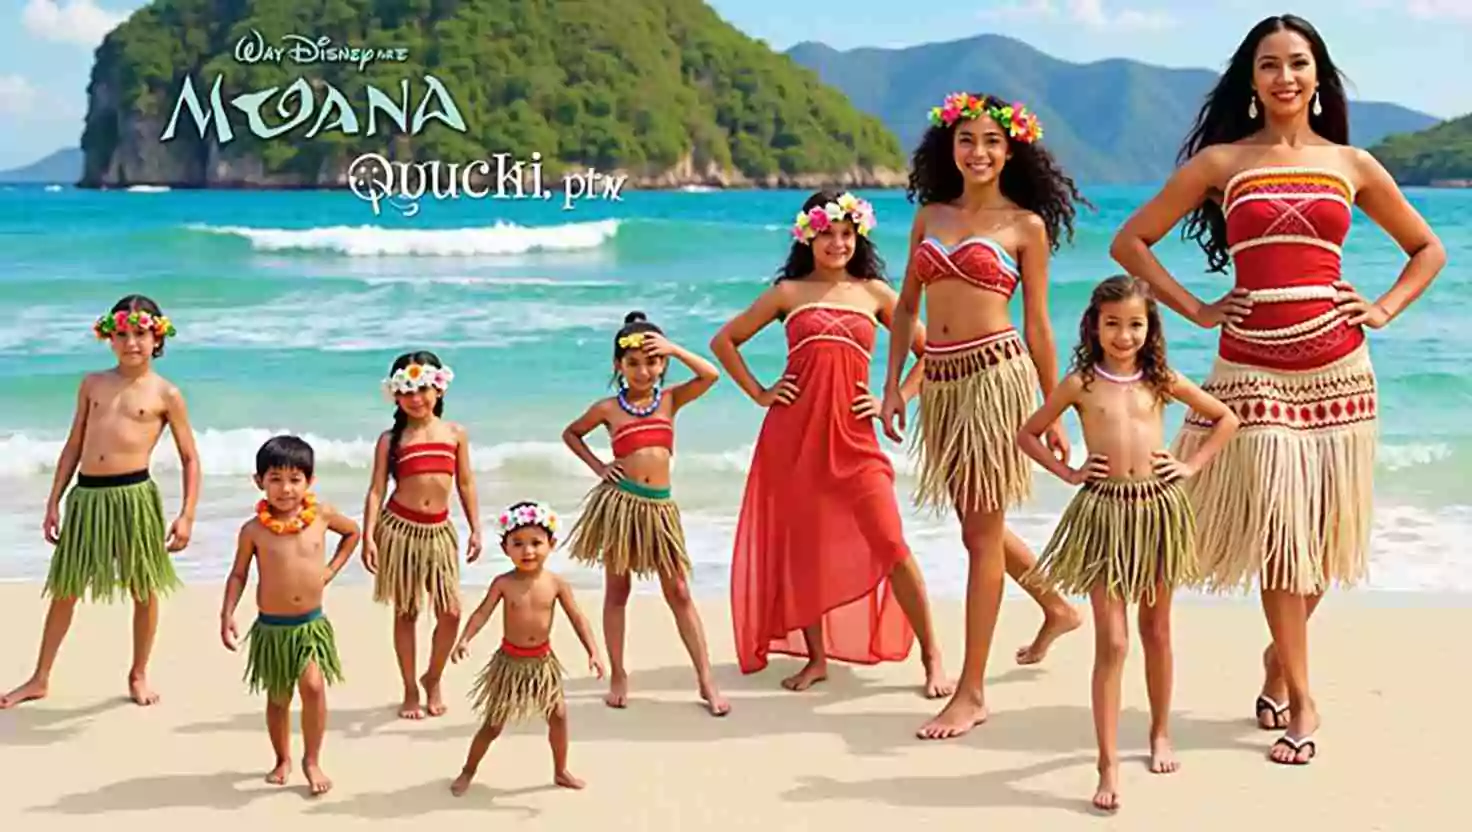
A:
[305,518]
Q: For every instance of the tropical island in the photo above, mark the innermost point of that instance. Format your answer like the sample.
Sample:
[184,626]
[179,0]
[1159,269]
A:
[220,94]
[1439,156]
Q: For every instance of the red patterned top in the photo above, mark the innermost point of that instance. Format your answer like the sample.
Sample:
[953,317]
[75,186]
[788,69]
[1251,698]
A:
[977,260]
[1285,229]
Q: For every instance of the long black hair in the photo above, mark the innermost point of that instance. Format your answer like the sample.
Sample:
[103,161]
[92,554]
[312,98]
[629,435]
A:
[866,264]
[401,419]
[1032,178]
[1224,118]
[634,322]
[142,303]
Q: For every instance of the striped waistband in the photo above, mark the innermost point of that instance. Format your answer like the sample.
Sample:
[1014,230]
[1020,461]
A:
[111,480]
[641,490]
[941,348]
[413,516]
[289,620]
[516,651]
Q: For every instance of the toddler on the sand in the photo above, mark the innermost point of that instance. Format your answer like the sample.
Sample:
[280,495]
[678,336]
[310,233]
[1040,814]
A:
[292,644]
[524,678]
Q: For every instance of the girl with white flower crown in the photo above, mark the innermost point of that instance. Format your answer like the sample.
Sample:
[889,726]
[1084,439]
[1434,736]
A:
[410,545]
[629,525]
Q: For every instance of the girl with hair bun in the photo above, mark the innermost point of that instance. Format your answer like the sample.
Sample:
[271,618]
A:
[629,524]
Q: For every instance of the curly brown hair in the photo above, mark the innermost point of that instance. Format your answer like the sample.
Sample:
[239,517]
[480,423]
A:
[1151,358]
[1032,178]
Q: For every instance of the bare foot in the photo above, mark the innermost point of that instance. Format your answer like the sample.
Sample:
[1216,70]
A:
[410,709]
[964,712]
[714,701]
[32,689]
[1273,717]
[140,692]
[1163,756]
[433,696]
[618,691]
[1106,797]
[565,779]
[462,783]
[936,683]
[278,775]
[1056,622]
[316,779]
[1297,746]
[815,671]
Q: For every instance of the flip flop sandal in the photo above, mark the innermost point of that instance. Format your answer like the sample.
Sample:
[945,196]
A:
[1298,745]
[1279,713]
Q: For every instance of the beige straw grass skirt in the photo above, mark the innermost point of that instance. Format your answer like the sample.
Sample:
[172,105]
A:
[630,528]
[518,684]
[416,557]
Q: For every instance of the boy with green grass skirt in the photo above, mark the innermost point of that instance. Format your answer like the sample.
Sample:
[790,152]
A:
[292,644]
[112,540]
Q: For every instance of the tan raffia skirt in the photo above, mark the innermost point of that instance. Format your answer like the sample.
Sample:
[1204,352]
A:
[415,559]
[1129,536]
[975,397]
[630,528]
[514,687]
[1288,501]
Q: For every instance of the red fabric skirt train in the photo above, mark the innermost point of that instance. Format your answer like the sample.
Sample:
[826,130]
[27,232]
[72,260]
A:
[819,530]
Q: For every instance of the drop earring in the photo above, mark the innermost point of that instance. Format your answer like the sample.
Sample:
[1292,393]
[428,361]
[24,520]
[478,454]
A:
[1252,107]
[1318,108]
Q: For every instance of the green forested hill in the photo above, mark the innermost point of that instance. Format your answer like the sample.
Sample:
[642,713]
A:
[648,86]
[1111,121]
[1442,154]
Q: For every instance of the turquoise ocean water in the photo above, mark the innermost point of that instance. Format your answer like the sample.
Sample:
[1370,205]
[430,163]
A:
[291,306]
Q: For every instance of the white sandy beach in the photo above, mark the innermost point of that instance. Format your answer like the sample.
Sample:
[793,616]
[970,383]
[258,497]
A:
[1391,677]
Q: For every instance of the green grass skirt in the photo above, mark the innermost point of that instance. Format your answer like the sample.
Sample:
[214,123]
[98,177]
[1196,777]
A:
[513,688]
[282,648]
[112,544]
[1128,535]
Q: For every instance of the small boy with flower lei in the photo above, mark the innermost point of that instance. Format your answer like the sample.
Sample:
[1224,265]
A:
[524,678]
[113,538]
[292,644]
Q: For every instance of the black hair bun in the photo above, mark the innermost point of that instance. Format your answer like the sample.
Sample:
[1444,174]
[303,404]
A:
[635,317]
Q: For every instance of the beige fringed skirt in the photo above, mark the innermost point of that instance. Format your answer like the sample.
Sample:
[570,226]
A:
[417,555]
[630,528]
[1288,500]
[1130,536]
[975,397]
[517,684]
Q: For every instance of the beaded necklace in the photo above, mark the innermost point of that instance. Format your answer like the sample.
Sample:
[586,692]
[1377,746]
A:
[1133,377]
[640,412]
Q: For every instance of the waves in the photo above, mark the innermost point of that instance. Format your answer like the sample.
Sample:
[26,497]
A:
[502,238]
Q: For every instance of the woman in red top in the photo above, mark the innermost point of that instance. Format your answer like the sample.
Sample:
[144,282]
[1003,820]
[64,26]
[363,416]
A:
[629,525]
[820,567]
[410,544]
[1269,183]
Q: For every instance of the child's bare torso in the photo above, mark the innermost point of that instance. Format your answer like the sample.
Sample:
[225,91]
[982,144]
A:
[292,568]
[1124,422]
[429,493]
[530,602]
[124,419]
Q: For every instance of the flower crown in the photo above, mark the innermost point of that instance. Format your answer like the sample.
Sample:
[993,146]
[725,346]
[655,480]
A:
[406,380]
[1020,123]
[137,320]
[533,514]
[813,222]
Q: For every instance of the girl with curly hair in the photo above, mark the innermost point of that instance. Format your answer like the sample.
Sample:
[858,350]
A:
[1269,182]
[993,204]
[820,568]
[1128,535]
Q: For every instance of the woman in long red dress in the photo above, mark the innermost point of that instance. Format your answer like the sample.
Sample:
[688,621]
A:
[820,567]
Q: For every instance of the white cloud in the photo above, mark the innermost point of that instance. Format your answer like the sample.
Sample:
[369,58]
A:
[17,96]
[1091,13]
[1440,9]
[81,22]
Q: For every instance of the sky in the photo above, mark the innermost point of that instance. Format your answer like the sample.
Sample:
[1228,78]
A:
[1407,51]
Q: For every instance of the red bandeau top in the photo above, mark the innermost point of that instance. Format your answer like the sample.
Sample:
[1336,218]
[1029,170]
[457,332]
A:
[977,260]
[648,432]
[425,458]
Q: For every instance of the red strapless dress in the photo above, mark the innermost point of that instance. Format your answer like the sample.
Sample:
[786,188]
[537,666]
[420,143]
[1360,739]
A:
[819,530]
[1288,500]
